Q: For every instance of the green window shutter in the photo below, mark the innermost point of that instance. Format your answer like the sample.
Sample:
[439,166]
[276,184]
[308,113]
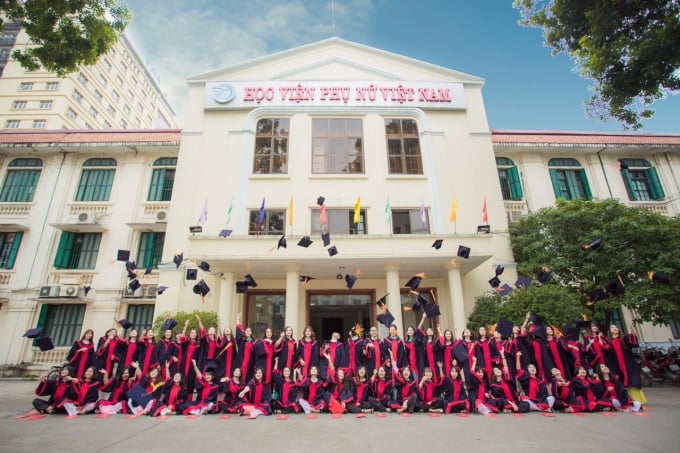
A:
[555,183]
[655,190]
[14,250]
[515,184]
[64,250]
[42,322]
[628,182]
[156,188]
[586,186]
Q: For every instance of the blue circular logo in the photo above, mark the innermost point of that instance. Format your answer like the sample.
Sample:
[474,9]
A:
[223,93]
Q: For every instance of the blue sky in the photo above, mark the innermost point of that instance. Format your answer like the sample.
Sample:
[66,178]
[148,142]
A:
[526,87]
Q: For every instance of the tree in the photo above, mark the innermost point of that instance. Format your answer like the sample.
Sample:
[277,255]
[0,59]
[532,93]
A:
[66,33]
[634,242]
[208,318]
[630,49]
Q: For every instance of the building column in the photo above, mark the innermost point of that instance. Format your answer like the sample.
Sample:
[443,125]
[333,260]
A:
[457,301]
[226,304]
[292,296]
[394,293]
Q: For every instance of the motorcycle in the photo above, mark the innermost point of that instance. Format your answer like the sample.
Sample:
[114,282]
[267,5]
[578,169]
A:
[657,365]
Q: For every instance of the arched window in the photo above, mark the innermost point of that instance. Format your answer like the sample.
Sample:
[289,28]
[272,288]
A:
[96,180]
[162,179]
[569,179]
[21,180]
[511,187]
[641,180]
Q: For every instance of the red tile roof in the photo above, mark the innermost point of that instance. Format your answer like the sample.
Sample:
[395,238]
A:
[137,136]
[582,138]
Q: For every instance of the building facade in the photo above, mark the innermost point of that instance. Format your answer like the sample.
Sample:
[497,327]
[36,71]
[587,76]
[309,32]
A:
[118,92]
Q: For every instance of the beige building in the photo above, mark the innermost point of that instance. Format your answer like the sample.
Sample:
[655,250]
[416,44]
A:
[118,92]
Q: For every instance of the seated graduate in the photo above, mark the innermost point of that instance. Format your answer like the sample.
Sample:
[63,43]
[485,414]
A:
[59,391]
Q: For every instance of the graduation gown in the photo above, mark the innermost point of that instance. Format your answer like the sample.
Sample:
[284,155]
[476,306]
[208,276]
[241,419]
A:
[80,360]
[621,361]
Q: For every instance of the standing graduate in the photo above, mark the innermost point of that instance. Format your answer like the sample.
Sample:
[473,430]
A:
[191,348]
[146,353]
[209,346]
[620,359]
[81,354]
[430,348]
[59,391]
[596,347]
[105,355]
[354,349]
[163,352]
[372,355]
[263,351]
[557,349]
[307,351]
[245,342]
[335,351]
[126,351]
[286,349]
[447,343]
[227,352]
[393,346]
[413,343]
[483,351]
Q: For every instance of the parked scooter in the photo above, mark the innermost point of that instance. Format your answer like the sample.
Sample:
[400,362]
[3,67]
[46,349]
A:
[657,365]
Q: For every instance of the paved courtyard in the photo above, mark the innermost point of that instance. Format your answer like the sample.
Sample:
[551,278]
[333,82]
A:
[658,430]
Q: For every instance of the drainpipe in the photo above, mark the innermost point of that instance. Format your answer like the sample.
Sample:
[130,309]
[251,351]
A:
[606,180]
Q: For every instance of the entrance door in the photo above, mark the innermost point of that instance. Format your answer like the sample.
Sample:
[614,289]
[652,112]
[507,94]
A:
[330,313]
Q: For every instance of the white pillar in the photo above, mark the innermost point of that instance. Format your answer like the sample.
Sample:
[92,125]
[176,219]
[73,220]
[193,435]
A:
[226,304]
[394,297]
[293,297]
[457,302]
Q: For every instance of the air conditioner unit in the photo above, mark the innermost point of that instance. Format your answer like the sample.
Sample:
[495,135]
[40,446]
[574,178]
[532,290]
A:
[514,216]
[150,291]
[130,294]
[68,290]
[87,217]
[49,291]
[162,216]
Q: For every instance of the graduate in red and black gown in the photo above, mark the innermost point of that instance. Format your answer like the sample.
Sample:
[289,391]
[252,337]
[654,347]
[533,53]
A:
[191,348]
[613,389]
[285,349]
[429,400]
[105,356]
[85,393]
[307,351]
[354,349]
[163,351]
[335,350]
[117,388]
[406,385]
[393,346]
[258,394]
[263,350]
[413,343]
[535,388]
[152,385]
[381,390]
[313,389]
[231,388]
[373,358]
[540,357]
[585,399]
[58,390]
[430,349]
[285,386]
[447,343]
[563,393]
[207,391]
[620,359]
[471,348]
[557,349]
[503,390]
[498,351]
[209,346]
[454,395]
[596,347]
[362,390]
[174,394]
[483,351]
[226,355]
[126,351]
[339,391]
[146,352]
[480,397]
[81,354]
[246,357]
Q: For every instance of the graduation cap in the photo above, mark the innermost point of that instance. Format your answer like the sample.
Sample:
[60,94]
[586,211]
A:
[431,310]
[544,275]
[522,282]
[499,270]
[350,280]
[582,324]
[504,290]
[463,252]
[659,277]
[33,333]
[201,288]
[281,243]
[123,255]
[414,281]
[438,244]
[597,295]
[130,265]
[495,282]
[225,233]
[460,352]
[305,241]
[615,288]
[191,274]
[241,287]
[160,289]
[148,270]
[305,278]
[593,245]
[45,344]
[86,290]
[358,329]
[419,303]
[571,333]
[504,327]
[320,200]
[124,323]
[385,318]
[326,238]
[177,259]
[204,266]
[333,250]
[134,284]
[250,281]
[169,324]
[139,395]
[131,274]
[536,319]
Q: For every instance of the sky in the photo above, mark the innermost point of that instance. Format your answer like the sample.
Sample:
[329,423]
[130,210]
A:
[526,88]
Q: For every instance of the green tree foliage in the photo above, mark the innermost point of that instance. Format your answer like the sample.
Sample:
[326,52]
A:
[209,319]
[630,49]
[635,241]
[486,312]
[66,33]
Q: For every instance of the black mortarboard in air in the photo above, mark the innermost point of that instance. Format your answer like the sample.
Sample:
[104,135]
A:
[495,282]
[305,278]
[593,245]
[250,281]
[596,295]
[211,365]
[33,333]
[522,282]
[241,287]
[463,252]
[191,274]
[504,327]
[282,242]
[326,238]
[460,352]
[582,324]
[333,250]
[385,317]
[123,255]
[419,304]
[177,259]
[499,270]
[615,288]
[225,233]
[305,241]
[544,275]
[148,270]
[350,280]
[160,289]
[204,266]
[86,290]
[438,244]
[124,323]
[536,319]
[169,324]
[571,333]
[134,284]
[659,277]
[45,344]
[320,200]
[130,265]
[201,288]
[538,330]
[432,310]
[414,281]
[131,274]
[504,290]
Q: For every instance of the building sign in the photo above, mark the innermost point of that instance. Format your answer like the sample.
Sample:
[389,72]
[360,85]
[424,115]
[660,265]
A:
[327,93]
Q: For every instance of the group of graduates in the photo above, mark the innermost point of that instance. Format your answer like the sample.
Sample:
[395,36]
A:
[212,371]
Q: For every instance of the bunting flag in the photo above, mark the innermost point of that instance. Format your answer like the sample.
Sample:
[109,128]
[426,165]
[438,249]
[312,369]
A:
[454,209]
[230,210]
[290,211]
[423,215]
[388,211]
[357,211]
[322,215]
[203,218]
[260,218]
[485,214]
